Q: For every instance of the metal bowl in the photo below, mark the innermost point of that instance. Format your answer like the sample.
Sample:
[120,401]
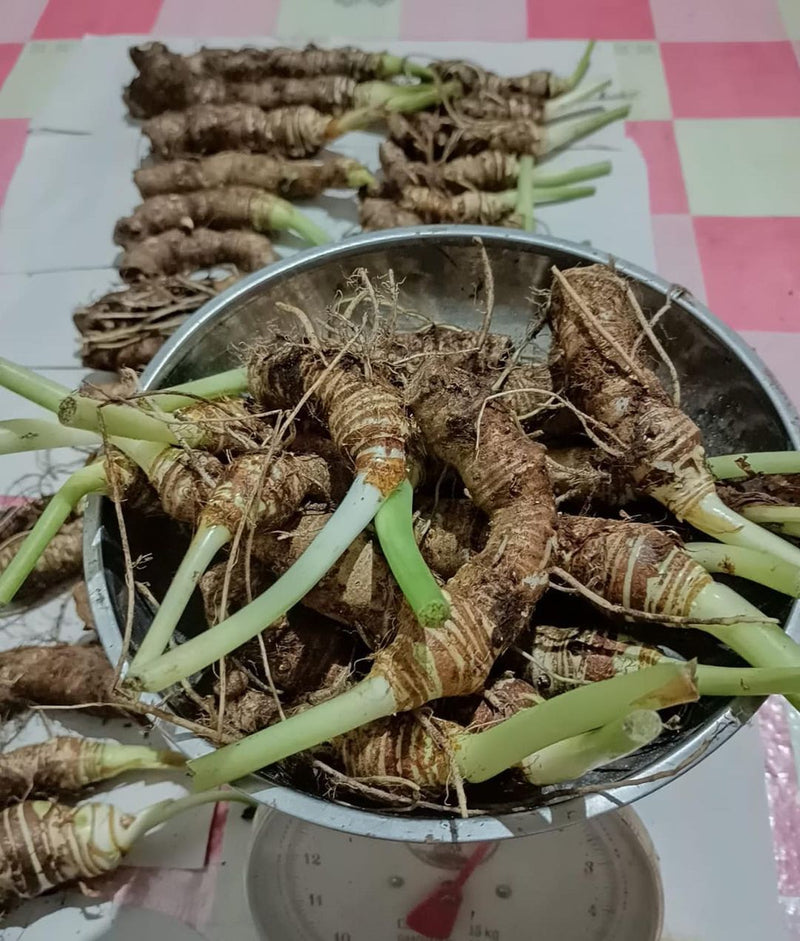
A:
[726,388]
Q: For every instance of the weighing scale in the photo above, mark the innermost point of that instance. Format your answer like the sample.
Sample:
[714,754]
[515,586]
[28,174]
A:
[595,880]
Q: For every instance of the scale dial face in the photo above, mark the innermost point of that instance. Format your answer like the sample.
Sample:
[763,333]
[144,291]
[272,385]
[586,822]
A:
[596,881]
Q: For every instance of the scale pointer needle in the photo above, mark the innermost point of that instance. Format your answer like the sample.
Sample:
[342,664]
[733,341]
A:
[435,916]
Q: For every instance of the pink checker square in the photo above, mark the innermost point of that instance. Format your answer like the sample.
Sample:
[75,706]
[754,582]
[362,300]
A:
[212,18]
[72,19]
[9,53]
[676,253]
[595,19]
[751,271]
[732,80]
[656,140]
[503,20]
[13,132]
[717,20]
[19,19]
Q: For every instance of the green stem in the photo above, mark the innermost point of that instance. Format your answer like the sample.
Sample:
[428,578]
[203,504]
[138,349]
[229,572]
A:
[207,542]
[483,755]
[568,131]
[394,524]
[369,700]
[747,563]
[741,466]
[574,757]
[560,106]
[352,516]
[748,681]
[384,96]
[523,206]
[357,178]
[771,514]
[577,175]
[91,479]
[567,84]
[115,759]
[165,810]
[217,386]
[77,411]
[713,517]
[35,434]
[273,213]
[510,199]
[143,453]
[760,642]
[392,65]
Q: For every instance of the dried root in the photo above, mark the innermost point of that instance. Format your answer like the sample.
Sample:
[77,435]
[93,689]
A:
[125,328]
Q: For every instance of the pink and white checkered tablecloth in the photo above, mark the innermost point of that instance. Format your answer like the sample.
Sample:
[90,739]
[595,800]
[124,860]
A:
[717,117]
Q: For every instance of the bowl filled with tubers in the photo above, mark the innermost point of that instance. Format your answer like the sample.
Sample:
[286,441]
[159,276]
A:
[450,532]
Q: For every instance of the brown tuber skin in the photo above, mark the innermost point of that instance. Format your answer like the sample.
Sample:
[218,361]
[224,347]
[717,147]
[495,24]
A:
[532,85]
[493,595]
[567,657]
[489,170]
[174,252]
[661,444]
[230,207]
[635,565]
[60,563]
[204,129]
[60,675]
[291,179]
[434,206]
[428,136]
[375,213]
[159,66]
[62,765]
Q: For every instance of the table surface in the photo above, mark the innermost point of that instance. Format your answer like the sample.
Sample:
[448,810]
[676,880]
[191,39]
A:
[716,116]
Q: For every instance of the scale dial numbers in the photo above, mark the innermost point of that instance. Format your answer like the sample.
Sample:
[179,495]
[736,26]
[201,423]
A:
[590,882]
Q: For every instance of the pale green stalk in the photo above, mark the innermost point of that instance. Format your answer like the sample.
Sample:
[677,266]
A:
[165,810]
[771,514]
[574,757]
[207,542]
[729,466]
[580,69]
[352,516]
[563,104]
[757,640]
[589,171]
[747,563]
[748,681]
[711,516]
[216,386]
[272,213]
[384,96]
[483,755]
[513,200]
[114,759]
[78,411]
[91,479]
[369,700]
[394,525]
[570,130]
[525,193]
[35,434]
[392,65]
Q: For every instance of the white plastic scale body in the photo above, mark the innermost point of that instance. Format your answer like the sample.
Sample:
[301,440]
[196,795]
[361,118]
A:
[596,880]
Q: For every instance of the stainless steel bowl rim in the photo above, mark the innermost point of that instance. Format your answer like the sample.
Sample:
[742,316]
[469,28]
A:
[422,829]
